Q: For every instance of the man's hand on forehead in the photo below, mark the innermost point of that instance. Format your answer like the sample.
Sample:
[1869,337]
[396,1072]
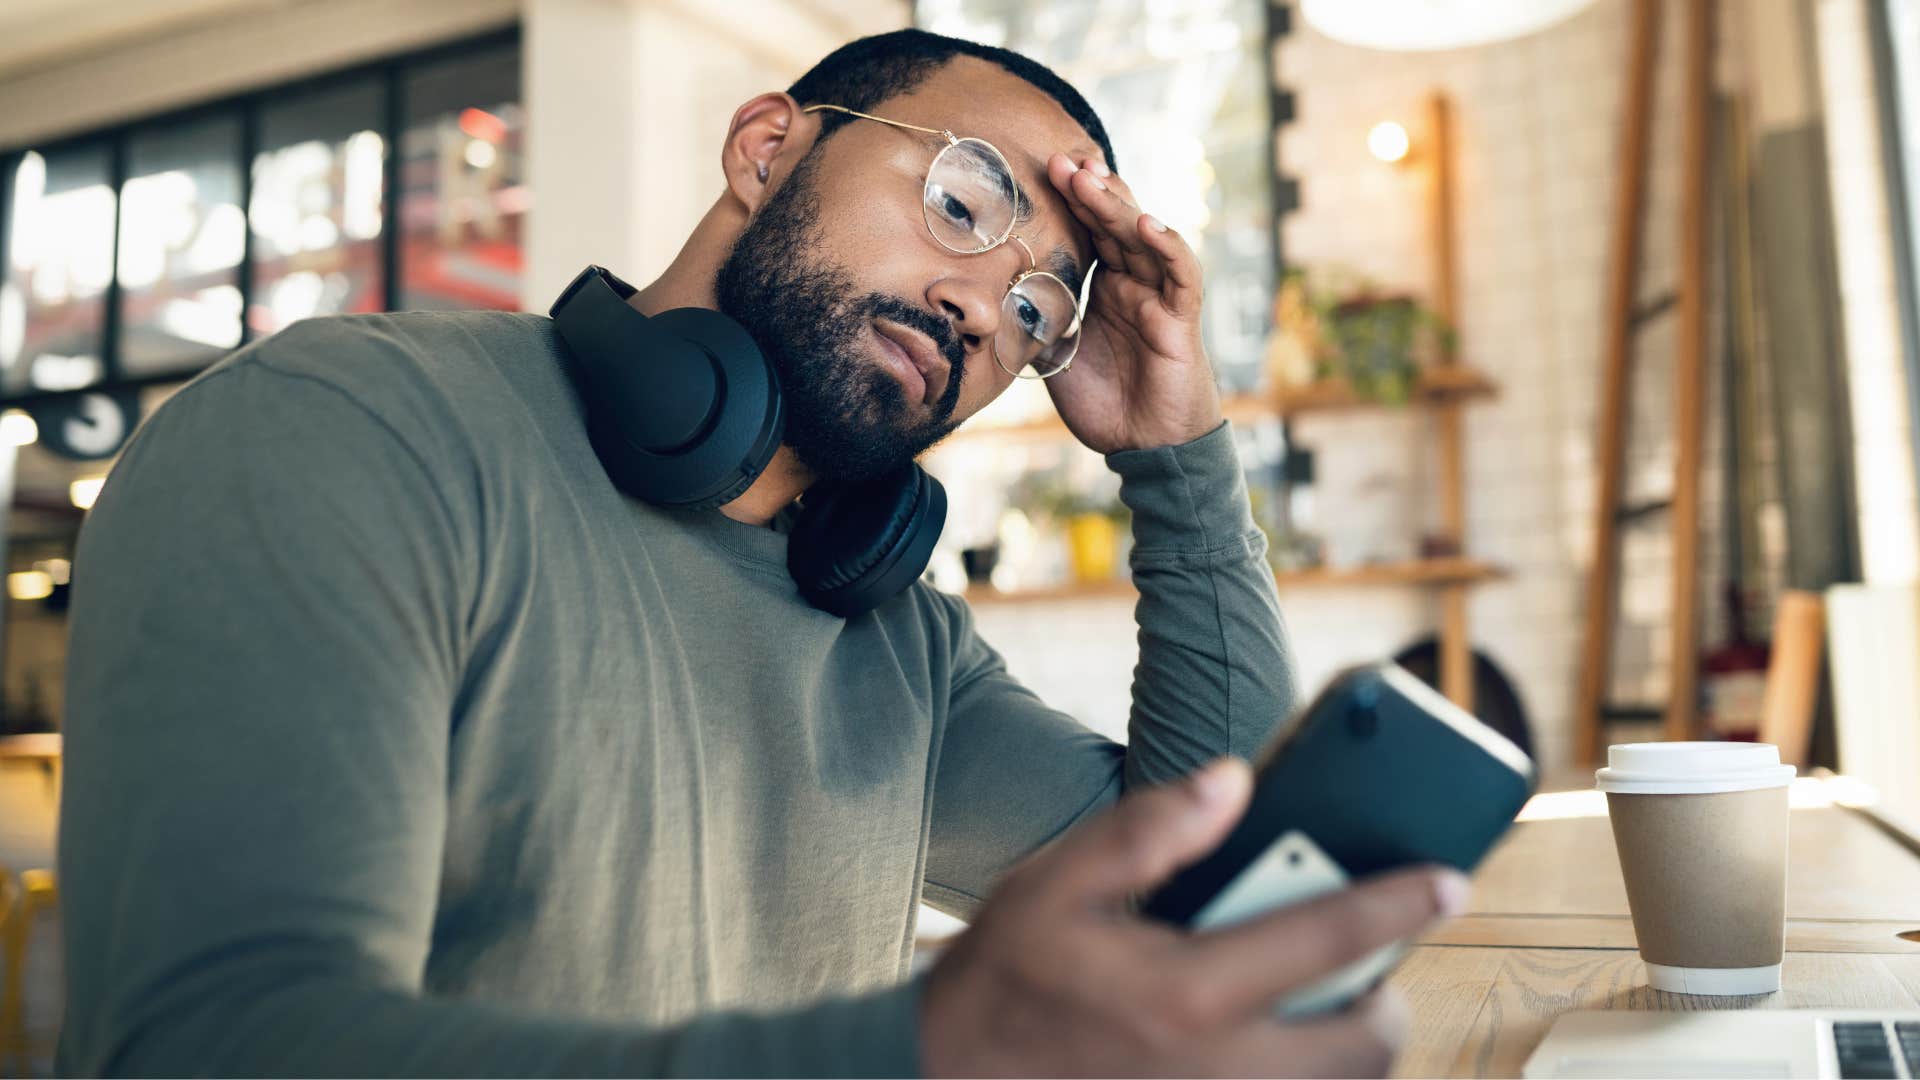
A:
[1141,377]
[1068,262]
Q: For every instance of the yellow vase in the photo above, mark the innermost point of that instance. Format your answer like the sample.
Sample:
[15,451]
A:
[1090,546]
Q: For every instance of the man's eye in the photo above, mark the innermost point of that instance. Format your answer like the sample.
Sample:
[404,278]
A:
[956,211]
[1032,321]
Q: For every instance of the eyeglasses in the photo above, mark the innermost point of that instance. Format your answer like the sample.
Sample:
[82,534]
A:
[970,204]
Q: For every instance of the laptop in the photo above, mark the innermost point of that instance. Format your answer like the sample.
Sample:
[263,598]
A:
[1749,1043]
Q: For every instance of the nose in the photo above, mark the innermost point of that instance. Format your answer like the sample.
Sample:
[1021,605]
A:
[972,301]
[972,294]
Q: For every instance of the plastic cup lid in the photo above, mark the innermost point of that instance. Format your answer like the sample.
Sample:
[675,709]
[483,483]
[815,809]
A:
[1681,768]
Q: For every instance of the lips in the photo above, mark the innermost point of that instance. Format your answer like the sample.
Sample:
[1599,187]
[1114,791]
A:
[916,352]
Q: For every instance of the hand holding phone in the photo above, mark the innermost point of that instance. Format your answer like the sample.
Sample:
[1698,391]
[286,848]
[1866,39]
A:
[1379,773]
[1059,975]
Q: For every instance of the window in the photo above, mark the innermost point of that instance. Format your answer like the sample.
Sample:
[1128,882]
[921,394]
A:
[142,254]
[53,303]
[462,199]
[182,236]
[318,206]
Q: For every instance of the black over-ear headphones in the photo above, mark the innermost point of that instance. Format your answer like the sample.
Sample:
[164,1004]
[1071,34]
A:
[684,411]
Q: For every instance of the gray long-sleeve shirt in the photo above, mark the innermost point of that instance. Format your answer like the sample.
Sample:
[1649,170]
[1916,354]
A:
[399,741]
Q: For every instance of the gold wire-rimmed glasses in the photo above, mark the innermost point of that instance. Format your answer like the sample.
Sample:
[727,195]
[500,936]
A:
[970,204]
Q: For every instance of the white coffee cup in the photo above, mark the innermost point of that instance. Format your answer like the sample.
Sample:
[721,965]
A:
[1701,830]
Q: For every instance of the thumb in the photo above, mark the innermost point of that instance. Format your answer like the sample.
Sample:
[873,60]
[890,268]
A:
[1145,837]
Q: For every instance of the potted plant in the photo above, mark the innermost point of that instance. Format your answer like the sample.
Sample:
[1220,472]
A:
[1092,524]
[1093,539]
[1374,341]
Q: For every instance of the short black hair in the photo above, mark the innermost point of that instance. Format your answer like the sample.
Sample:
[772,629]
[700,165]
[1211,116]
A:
[861,74]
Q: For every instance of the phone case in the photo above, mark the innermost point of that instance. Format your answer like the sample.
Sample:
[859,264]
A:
[1380,772]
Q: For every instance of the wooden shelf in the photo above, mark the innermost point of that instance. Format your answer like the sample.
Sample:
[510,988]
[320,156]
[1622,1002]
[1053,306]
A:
[1242,409]
[1436,385]
[1072,590]
[1448,571]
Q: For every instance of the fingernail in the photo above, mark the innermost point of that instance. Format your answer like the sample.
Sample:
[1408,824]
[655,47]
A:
[1220,781]
[1071,167]
[1155,224]
[1096,183]
[1451,892]
[1100,170]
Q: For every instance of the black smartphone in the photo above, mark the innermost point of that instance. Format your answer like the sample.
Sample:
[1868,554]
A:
[1379,772]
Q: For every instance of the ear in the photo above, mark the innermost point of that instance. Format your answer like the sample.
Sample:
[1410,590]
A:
[767,132]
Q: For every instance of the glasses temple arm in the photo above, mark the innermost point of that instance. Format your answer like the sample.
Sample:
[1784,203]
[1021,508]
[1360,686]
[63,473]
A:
[947,135]
[1086,297]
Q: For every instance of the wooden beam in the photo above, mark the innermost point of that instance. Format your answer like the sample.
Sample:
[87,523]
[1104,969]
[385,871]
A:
[1793,675]
[1690,369]
[1440,212]
[1617,358]
[1456,640]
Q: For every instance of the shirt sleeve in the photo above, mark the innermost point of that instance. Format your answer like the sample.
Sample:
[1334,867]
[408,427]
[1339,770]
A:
[270,619]
[1214,677]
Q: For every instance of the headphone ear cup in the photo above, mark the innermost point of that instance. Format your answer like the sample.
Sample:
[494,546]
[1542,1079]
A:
[695,465]
[682,408]
[855,547]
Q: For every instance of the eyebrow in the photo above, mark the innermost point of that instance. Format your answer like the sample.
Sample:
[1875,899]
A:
[1060,262]
[1065,267]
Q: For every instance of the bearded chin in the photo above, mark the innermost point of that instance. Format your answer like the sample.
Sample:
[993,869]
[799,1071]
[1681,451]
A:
[848,419]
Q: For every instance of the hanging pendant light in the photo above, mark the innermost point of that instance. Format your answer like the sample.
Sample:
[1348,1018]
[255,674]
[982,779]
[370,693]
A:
[1431,25]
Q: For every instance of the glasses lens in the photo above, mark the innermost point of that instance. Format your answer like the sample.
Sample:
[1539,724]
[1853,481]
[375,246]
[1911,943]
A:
[969,200]
[1038,330]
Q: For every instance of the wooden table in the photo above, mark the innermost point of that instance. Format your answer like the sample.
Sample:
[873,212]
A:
[1549,933]
[41,749]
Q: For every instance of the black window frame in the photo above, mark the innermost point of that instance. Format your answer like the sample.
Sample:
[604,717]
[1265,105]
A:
[389,71]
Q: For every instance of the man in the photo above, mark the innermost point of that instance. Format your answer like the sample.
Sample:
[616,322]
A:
[401,742]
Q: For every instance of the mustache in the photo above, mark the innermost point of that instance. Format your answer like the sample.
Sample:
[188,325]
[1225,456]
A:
[938,330]
[914,317]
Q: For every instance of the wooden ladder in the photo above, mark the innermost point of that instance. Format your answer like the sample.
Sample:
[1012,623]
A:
[1622,319]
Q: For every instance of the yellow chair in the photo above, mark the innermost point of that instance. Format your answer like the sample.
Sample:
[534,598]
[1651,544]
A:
[20,899]
[13,961]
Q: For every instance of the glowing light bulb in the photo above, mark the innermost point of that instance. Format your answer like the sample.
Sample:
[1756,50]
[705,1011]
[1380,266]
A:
[17,428]
[1388,141]
[29,585]
[84,492]
[1426,25]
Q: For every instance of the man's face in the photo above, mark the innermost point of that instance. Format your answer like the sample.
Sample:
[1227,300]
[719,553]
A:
[881,337]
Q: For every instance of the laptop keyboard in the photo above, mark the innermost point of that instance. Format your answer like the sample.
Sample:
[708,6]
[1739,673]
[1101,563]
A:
[1866,1049]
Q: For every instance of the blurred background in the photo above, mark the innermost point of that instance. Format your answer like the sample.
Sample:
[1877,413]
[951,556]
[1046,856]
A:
[1573,345]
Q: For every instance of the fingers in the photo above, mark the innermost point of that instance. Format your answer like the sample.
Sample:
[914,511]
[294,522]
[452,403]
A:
[1062,171]
[1180,266]
[1116,217]
[1104,207]
[1143,839]
[1245,967]
[1125,238]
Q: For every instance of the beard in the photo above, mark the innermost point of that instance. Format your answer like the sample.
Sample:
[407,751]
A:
[848,418]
